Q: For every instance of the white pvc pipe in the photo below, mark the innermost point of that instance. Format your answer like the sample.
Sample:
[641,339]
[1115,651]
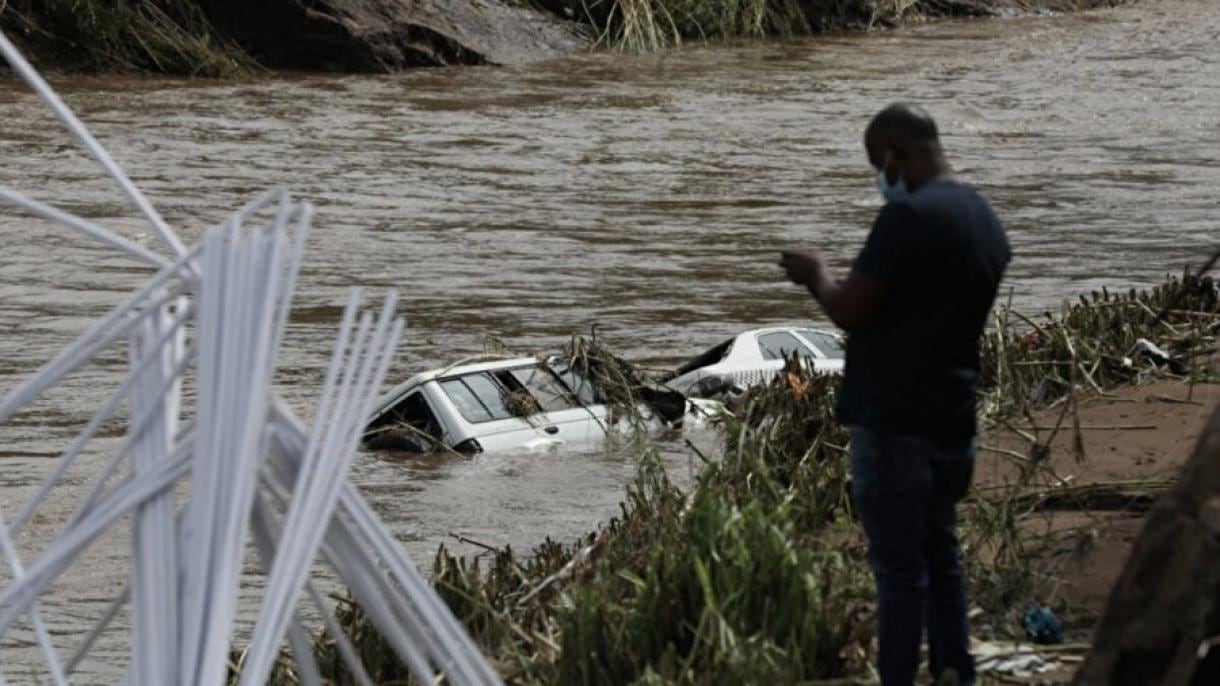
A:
[317,488]
[96,338]
[83,225]
[68,456]
[108,616]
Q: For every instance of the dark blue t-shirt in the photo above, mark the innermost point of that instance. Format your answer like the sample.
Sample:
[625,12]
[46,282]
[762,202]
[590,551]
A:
[914,367]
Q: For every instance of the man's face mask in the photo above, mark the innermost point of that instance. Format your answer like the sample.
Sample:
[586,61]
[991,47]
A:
[890,191]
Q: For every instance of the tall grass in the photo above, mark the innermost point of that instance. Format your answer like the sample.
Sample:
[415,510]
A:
[163,36]
[650,25]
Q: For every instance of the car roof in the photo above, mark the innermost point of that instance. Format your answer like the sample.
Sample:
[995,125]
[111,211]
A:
[786,327]
[459,368]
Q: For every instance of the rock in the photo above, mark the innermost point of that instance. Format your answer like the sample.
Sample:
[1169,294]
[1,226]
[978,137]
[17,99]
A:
[388,35]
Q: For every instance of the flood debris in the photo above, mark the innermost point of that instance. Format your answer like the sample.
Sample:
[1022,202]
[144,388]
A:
[1005,659]
[1147,350]
[1095,343]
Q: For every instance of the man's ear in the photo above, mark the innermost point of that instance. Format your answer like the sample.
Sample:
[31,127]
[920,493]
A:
[897,154]
[892,165]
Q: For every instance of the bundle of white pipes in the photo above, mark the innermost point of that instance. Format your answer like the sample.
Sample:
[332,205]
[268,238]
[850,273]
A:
[217,312]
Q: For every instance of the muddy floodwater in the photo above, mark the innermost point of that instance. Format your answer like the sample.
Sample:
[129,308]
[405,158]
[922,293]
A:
[646,195]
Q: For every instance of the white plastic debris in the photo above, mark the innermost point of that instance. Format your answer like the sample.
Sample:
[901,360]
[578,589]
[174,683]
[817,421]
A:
[216,312]
[1011,659]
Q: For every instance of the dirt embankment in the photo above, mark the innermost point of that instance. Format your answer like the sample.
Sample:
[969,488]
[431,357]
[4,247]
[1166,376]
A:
[1134,442]
[228,37]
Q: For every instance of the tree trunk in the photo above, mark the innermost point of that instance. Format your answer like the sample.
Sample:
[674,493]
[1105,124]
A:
[1166,604]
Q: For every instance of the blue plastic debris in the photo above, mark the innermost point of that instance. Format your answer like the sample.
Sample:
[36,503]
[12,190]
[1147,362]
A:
[1041,625]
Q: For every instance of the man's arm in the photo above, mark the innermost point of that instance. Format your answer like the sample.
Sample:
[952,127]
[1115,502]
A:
[849,303]
[893,245]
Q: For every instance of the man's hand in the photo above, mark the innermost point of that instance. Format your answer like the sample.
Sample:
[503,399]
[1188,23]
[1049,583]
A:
[849,303]
[803,267]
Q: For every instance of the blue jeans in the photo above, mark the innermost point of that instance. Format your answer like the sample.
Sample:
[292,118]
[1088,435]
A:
[905,489]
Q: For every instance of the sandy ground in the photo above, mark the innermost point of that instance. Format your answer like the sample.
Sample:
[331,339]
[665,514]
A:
[1137,437]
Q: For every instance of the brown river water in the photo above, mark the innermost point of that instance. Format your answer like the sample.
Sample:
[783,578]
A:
[647,195]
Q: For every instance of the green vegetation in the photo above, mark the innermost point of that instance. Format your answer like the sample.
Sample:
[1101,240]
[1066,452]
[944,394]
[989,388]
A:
[649,25]
[757,574]
[162,36]
[1028,361]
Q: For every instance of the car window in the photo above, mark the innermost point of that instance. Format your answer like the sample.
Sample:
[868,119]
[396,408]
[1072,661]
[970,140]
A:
[583,388]
[545,387]
[416,413]
[827,344]
[477,397]
[409,426]
[780,344]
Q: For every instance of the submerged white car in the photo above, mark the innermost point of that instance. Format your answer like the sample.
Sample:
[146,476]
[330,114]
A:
[516,404]
[755,357]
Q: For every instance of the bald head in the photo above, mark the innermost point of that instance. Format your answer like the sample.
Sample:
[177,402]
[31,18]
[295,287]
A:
[903,140]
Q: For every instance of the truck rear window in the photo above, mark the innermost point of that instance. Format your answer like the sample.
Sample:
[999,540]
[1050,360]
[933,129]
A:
[779,345]
[828,345]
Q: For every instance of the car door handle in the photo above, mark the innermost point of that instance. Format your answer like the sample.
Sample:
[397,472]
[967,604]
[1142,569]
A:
[552,430]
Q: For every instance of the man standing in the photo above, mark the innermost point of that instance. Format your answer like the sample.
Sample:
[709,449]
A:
[914,306]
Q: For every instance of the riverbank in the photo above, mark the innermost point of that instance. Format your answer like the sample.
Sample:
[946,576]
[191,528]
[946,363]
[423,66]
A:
[221,38]
[757,572]
[1135,440]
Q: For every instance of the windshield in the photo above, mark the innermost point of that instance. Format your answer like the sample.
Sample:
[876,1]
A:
[550,393]
[520,392]
[586,393]
[478,397]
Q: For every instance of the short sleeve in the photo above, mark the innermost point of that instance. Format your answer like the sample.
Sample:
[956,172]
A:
[891,245]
